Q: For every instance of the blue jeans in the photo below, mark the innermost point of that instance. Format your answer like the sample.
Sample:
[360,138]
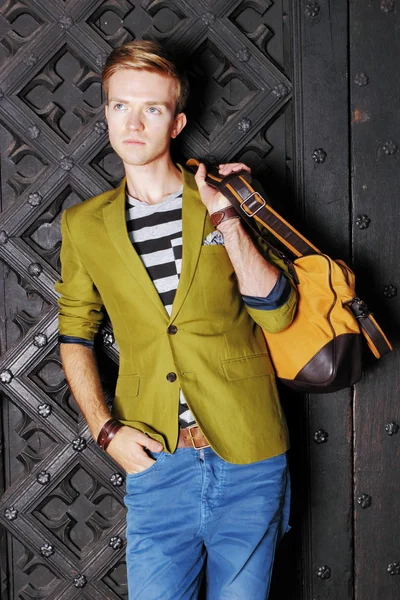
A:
[192,513]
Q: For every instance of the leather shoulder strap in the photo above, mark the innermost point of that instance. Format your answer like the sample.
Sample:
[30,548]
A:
[251,205]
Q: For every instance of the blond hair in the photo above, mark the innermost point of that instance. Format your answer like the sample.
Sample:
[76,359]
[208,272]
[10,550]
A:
[145,55]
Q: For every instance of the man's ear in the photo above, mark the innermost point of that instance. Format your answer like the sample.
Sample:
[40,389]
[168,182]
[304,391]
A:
[179,124]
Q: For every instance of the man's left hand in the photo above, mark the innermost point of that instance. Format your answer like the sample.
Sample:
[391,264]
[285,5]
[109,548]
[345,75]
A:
[212,198]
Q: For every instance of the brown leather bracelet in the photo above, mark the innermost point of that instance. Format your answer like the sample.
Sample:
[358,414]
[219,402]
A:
[107,433]
[224,215]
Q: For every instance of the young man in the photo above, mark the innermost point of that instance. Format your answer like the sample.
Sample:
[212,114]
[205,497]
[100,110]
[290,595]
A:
[197,424]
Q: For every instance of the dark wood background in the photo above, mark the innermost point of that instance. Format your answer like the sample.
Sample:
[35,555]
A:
[305,92]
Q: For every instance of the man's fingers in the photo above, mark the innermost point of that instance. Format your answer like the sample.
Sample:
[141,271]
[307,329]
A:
[227,168]
[149,443]
[201,175]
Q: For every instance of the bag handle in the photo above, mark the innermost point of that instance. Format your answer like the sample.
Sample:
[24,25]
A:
[251,205]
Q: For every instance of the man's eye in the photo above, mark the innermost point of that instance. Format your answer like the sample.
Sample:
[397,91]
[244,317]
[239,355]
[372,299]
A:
[118,106]
[154,110]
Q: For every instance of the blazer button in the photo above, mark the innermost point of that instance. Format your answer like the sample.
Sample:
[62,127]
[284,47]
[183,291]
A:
[171,377]
[172,329]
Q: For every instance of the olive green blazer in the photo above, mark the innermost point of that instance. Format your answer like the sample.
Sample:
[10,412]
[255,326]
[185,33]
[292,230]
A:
[218,353]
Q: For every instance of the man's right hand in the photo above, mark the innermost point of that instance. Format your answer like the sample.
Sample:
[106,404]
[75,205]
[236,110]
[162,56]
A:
[127,448]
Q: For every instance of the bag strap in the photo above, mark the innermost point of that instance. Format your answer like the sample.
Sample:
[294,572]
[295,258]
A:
[251,205]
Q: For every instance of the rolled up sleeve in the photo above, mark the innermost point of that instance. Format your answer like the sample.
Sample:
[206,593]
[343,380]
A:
[80,304]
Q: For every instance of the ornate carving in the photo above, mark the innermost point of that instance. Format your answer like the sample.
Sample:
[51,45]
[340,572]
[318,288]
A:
[66,163]
[79,511]
[30,61]
[43,478]
[280,90]
[65,94]
[116,542]
[35,269]
[35,199]
[6,376]
[361,79]
[244,125]
[120,22]
[3,237]
[392,428]
[321,436]
[364,500]
[27,165]
[116,479]
[47,550]
[387,5]
[108,165]
[312,9]
[1,95]
[80,581]
[44,410]
[394,568]
[11,514]
[208,19]
[250,17]
[243,55]
[66,22]
[33,132]
[79,444]
[100,127]
[390,291]
[40,340]
[389,148]
[319,155]
[324,572]
[23,24]
[363,221]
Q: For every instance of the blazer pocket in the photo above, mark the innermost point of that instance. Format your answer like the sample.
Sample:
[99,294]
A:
[127,385]
[248,366]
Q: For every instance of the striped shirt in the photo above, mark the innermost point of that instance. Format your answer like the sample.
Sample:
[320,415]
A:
[155,231]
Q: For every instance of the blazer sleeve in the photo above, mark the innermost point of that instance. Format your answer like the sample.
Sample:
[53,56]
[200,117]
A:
[80,305]
[279,318]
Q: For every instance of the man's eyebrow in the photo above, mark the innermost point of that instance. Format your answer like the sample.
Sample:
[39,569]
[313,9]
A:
[148,103]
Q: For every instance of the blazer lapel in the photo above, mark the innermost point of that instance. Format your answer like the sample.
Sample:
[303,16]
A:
[115,222]
[193,217]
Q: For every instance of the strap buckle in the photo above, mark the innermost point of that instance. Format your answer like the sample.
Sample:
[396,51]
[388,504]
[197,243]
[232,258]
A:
[255,211]
[193,440]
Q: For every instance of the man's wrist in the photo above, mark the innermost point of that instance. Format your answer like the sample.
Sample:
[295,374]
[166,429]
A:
[108,432]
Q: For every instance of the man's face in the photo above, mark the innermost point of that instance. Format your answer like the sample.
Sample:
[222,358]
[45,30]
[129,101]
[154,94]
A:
[141,115]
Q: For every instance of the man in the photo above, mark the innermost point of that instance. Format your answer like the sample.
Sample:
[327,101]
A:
[197,424]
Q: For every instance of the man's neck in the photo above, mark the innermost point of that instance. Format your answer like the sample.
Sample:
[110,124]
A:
[153,182]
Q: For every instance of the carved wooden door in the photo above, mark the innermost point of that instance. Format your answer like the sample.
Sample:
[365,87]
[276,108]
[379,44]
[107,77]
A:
[278,84]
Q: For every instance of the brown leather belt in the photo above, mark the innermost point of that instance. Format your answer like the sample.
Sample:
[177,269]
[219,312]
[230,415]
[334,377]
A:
[192,437]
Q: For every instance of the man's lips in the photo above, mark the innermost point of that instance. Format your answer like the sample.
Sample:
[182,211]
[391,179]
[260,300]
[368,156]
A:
[138,142]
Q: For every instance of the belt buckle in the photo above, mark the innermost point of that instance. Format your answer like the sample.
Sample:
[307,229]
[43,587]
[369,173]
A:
[193,440]
[255,211]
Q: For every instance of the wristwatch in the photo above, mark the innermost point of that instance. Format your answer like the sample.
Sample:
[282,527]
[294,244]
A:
[229,212]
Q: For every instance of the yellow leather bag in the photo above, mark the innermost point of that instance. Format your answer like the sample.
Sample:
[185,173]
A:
[321,351]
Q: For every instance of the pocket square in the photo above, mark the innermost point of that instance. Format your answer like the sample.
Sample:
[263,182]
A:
[215,237]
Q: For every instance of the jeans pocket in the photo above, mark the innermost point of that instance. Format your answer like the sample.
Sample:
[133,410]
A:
[158,457]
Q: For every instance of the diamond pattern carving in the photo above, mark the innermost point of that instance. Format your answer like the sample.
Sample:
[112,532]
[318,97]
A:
[66,93]
[119,22]
[79,511]
[219,89]
[19,23]
[65,496]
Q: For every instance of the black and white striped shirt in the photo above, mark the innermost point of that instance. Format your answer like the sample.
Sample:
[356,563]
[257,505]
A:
[155,231]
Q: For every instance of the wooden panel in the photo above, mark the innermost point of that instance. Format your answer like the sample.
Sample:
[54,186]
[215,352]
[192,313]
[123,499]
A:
[375,91]
[321,104]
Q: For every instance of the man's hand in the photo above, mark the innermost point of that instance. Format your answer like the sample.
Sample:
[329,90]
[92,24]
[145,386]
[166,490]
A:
[127,448]
[211,198]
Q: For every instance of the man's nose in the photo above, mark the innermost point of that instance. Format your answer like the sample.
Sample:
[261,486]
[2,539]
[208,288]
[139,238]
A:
[135,122]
